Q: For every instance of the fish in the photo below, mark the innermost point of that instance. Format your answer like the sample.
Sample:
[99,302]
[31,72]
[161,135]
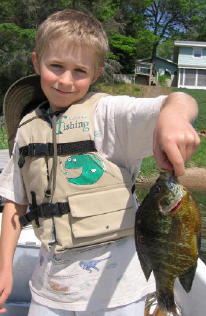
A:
[167,238]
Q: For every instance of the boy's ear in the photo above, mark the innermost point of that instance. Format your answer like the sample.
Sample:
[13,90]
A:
[98,73]
[35,62]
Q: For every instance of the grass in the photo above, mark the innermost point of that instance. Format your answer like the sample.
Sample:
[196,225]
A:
[3,137]
[118,89]
[149,169]
[200,97]
[137,91]
[199,157]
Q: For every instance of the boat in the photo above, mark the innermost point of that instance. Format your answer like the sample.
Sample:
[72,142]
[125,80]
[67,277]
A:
[26,256]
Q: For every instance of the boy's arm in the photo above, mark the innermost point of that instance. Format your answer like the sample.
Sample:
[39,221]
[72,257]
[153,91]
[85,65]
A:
[10,231]
[175,139]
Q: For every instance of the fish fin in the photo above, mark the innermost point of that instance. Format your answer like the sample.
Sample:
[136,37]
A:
[144,262]
[146,269]
[186,279]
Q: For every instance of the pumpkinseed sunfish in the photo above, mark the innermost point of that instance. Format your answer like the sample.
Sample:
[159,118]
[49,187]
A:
[167,236]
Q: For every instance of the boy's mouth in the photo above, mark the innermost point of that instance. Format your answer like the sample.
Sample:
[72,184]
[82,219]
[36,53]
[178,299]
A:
[63,92]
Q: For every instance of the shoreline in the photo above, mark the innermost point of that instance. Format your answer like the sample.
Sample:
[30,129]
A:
[194,178]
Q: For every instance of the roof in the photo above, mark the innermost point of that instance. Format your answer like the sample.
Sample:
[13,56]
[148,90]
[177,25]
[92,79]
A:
[190,43]
[157,57]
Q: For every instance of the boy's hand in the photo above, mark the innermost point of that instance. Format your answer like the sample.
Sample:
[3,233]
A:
[6,282]
[10,231]
[175,139]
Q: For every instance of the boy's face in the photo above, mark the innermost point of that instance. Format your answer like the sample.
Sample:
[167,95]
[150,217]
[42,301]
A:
[66,73]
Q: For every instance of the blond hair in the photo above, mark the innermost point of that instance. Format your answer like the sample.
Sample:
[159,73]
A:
[75,27]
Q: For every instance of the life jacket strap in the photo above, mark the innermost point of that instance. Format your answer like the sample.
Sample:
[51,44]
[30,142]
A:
[47,150]
[45,210]
[133,188]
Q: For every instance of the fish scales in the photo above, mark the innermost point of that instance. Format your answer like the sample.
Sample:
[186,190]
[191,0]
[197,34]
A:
[167,234]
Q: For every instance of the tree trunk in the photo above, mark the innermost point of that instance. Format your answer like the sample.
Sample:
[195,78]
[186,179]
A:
[154,51]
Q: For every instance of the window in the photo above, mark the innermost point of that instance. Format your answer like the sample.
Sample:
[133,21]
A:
[181,74]
[190,77]
[197,52]
[201,81]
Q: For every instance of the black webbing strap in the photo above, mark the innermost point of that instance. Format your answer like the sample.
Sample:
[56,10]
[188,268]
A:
[45,210]
[47,150]
[40,149]
[133,188]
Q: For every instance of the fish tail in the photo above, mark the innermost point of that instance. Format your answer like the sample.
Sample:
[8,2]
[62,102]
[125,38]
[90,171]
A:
[166,301]
[159,312]
[152,308]
[167,306]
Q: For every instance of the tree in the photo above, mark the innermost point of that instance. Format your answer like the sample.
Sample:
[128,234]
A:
[197,27]
[124,49]
[166,18]
[15,50]
[166,48]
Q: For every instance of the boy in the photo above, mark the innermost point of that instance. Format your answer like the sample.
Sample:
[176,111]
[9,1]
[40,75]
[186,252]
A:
[75,160]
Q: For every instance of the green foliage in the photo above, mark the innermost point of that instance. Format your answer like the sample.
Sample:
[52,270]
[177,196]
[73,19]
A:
[7,11]
[165,18]
[16,46]
[166,48]
[145,40]
[11,34]
[162,79]
[3,135]
[29,13]
[126,44]
[136,29]
[106,10]
[124,47]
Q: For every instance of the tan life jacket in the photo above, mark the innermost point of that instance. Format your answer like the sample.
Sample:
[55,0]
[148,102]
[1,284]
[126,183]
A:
[76,196]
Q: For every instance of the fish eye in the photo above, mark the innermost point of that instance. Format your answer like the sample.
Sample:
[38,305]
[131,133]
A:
[167,202]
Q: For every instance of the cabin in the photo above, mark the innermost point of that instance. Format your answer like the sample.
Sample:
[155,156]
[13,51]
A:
[191,59]
[147,72]
[154,69]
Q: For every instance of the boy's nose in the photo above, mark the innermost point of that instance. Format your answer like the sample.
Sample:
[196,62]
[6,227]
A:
[66,78]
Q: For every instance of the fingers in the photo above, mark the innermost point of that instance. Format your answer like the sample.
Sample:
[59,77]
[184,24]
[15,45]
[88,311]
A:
[174,149]
[176,159]
[3,298]
[191,146]
[171,159]
[3,310]
[187,144]
[5,292]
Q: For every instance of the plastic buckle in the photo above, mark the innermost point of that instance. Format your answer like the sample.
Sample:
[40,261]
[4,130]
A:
[24,220]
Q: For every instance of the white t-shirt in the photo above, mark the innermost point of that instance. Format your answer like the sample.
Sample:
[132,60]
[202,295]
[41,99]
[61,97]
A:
[106,275]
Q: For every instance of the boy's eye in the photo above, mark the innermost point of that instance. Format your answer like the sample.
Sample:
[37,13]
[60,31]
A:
[80,70]
[56,66]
